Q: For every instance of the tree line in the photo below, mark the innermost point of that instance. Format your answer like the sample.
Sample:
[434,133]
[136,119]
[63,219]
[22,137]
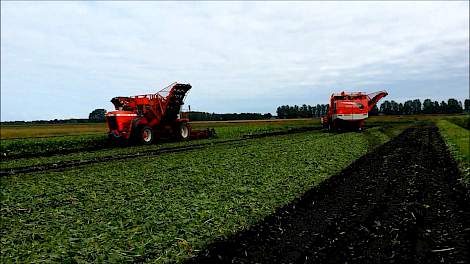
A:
[99,115]
[304,111]
[96,116]
[451,106]
[52,121]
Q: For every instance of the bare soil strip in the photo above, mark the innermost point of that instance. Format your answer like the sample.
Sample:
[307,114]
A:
[401,203]
[74,163]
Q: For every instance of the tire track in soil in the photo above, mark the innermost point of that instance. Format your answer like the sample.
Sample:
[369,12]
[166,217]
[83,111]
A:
[74,163]
[401,203]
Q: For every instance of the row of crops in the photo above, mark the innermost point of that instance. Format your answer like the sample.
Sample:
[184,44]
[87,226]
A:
[64,143]
[32,151]
[166,207]
[457,136]
[161,208]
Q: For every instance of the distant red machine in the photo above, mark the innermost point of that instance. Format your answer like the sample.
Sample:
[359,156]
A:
[145,118]
[349,110]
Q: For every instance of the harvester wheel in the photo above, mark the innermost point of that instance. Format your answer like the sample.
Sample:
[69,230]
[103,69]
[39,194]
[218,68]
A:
[146,135]
[184,132]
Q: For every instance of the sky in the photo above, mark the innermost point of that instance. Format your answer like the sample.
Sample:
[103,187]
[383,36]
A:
[63,59]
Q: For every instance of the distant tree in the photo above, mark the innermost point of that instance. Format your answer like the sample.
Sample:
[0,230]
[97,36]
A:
[281,112]
[394,109]
[437,107]
[408,107]
[467,105]
[428,107]
[454,106]
[416,106]
[267,116]
[318,110]
[386,108]
[325,109]
[296,111]
[97,115]
[443,107]
[304,111]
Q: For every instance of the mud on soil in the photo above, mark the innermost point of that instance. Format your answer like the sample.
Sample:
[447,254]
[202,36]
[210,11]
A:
[401,203]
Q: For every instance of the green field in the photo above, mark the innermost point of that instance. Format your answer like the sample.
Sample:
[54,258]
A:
[64,141]
[458,141]
[53,130]
[167,207]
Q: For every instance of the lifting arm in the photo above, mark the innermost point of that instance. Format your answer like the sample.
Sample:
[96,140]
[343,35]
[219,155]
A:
[374,98]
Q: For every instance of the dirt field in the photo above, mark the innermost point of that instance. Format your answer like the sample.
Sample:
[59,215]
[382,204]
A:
[399,204]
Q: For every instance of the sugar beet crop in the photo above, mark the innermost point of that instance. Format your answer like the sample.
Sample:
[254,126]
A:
[401,203]
[177,200]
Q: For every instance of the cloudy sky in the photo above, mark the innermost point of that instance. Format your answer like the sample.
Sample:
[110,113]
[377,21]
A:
[64,59]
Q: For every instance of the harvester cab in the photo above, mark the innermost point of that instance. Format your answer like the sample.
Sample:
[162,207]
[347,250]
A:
[145,118]
[349,110]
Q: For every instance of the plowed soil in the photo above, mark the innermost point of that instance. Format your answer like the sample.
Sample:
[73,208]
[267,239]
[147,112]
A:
[401,203]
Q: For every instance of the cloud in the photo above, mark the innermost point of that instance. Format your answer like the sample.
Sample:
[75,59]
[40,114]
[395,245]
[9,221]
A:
[239,56]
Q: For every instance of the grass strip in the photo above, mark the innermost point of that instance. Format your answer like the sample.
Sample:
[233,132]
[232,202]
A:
[458,140]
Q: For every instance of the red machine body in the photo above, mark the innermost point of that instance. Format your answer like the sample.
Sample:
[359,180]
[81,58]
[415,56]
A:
[349,110]
[145,118]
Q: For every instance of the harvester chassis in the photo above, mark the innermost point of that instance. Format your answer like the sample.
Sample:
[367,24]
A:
[145,119]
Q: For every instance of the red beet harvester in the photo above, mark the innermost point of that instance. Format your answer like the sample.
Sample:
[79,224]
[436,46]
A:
[146,118]
[349,110]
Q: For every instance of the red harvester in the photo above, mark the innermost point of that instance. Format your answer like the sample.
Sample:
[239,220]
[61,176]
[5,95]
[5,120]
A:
[145,118]
[349,110]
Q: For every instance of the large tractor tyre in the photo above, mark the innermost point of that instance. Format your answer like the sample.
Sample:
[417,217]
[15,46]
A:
[145,135]
[333,126]
[184,132]
[330,126]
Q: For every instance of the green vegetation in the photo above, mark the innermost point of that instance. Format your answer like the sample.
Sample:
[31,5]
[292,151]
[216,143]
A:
[166,207]
[45,140]
[462,120]
[17,148]
[458,140]
[14,148]
[161,208]
[378,135]
[47,130]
